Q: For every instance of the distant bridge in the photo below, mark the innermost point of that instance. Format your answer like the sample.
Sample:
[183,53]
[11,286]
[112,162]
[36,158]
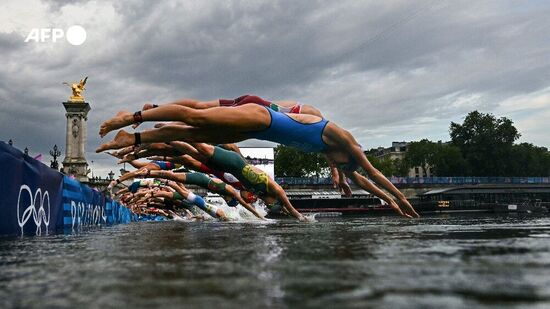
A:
[412,186]
[423,181]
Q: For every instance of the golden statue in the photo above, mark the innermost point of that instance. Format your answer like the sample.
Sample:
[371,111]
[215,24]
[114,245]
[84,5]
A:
[77,90]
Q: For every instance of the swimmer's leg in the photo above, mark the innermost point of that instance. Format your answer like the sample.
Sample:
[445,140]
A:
[244,118]
[171,133]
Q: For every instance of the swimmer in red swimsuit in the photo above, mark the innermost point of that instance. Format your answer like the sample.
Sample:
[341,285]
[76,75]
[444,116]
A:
[291,107]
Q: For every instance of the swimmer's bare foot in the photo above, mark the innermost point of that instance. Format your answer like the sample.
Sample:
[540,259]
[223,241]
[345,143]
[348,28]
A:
[121,120]
[122,139]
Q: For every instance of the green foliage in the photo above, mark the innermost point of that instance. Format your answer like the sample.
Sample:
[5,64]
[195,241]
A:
[444,159]
[387,166]
[485,142]
[291,162]
[420,154]
[528,160]
[448,161]
[482,145]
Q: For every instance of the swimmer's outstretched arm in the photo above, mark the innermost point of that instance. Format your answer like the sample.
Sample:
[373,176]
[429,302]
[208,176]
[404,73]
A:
[122,191]
[129,175]
[241,201]
[122,178]
[122,152]
[177,177]
[190,150]
[281,196]
[365,184]
[147,150]
[343,183]
[232,147]
[179,160]
[374,174]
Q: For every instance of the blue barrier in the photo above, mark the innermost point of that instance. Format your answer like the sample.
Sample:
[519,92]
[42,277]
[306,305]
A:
[83,206]
[37,199]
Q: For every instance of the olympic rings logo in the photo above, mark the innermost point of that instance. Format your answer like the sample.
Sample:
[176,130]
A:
[87,214]
[42,214]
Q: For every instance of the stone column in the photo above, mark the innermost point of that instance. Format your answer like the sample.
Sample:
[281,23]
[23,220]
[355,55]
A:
[75,154]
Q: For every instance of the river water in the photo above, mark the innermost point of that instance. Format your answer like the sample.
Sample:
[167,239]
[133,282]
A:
[459,261]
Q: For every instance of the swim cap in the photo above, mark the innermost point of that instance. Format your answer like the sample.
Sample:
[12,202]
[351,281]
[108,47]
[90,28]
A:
[249,197]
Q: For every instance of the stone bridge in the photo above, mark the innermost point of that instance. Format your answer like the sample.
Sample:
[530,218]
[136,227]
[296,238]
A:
[413,186]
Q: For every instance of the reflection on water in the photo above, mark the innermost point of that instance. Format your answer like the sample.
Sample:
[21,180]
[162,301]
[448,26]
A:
[441,261]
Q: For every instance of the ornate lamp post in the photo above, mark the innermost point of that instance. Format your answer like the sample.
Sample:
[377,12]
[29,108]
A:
[55,153]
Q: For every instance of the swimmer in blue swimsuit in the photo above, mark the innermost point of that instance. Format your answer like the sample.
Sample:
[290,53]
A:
[233,124]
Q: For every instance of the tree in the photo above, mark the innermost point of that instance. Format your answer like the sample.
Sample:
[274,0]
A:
[443,159]
[527,159]
[420,154]
[448,161]
[387,166]
[485,142]
[291,162]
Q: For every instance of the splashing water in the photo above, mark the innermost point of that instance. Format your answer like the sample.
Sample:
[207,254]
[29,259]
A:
[239,213]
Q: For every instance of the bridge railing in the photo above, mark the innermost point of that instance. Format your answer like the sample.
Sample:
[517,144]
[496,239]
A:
[424,180]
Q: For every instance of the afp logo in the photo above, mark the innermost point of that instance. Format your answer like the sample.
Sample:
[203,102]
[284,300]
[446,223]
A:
[75,35]
[37,206]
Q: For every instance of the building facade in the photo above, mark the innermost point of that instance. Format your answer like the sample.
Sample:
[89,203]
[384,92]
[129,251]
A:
[397,151]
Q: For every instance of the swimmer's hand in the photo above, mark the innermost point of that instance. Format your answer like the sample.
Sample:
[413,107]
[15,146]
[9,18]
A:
[111,186]
[407,207]
[112,153]
[396,207]
[127,158]
[345,188]
[142,172]
[335,180]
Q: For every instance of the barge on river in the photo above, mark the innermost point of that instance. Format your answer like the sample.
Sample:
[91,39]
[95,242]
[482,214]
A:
[470,198]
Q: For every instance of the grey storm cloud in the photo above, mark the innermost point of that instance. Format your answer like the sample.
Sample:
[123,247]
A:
[385,70]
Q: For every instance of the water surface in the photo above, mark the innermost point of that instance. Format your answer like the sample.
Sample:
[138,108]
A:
[454,261]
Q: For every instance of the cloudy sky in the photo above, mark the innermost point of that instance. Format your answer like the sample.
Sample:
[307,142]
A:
[385,70]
